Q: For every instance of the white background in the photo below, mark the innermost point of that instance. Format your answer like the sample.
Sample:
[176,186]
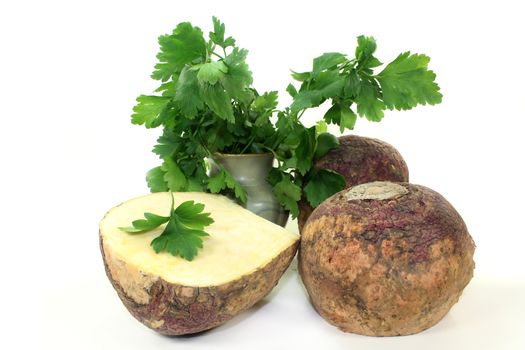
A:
[69,74]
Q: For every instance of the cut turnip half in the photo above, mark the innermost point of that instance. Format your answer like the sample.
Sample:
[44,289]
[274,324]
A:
[241,261]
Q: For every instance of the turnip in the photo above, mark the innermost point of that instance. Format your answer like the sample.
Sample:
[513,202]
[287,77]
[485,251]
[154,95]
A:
[360,160]
[385,258]
[241,261]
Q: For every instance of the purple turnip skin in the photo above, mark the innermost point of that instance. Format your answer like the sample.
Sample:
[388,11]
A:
[360,160]
[173,309]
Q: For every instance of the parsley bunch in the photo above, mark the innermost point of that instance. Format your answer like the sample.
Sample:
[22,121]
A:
[206,104]
[351,86]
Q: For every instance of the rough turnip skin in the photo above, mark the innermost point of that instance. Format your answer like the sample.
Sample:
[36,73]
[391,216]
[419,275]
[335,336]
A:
[385,267]
[360,160]
[172,309]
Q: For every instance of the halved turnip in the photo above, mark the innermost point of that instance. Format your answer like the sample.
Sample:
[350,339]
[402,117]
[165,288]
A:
[242,260]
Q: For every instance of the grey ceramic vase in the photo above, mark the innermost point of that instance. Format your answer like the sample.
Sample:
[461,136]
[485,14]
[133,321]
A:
[251,171]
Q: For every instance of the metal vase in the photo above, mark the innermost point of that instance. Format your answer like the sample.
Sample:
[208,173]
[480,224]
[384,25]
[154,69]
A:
[251,171]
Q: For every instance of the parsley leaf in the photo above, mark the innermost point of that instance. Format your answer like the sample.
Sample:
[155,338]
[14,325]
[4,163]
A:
[167,144]
[185,45]
[239,76]
[369,102]
[183,234]
[155,180]
[187,93]
[217,36]
[327,84]
[321,127]
[265,106]
[327,61]
[322,185]
[306,150]
[291,90]
[212,72]
[325,143]
[148,110]
[224,180]
[288,194]
[366,46]
[407,81]
[217,100]
[173,176]
[341,115]
[151,221]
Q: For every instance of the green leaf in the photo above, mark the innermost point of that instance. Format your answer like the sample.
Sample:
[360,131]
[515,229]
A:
[407,82]
[265,102]
[306,150]
[183,234]
[239,77]
[167,144]
[288,195]
[224,180]
[274,176]
[187,93]
[333,114]
[179,240]
[218,101]
[217,182]
[167,89]
[348,119]
[151,221]
[217,36]
[265,105]
[191,215]
[366,46]
[341,115]
[352,86]
[321,127]
[328,84]
[173,176]
[195,185]
[148,110]
[301,76]
[240,192]
[327,60]
[212,72]
[304,100]
[185,45]
[325,143]
[369,103]
[322,185]
[155,180]
[292,91]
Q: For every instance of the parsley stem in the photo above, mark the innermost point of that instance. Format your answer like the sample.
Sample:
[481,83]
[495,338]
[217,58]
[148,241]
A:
[248,144]
[216,54]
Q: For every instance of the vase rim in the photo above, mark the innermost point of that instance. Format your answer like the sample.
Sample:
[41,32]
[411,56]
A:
[239,155]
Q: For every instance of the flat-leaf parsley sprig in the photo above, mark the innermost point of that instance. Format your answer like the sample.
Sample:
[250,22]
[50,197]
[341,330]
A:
[183,233]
